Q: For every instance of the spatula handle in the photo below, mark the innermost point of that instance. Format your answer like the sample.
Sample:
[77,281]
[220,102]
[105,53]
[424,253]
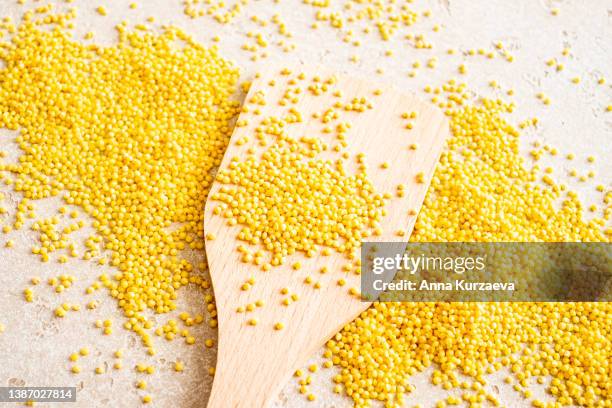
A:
[254,362]
[248,376]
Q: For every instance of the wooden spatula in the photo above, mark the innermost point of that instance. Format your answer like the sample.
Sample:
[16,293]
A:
[254,361]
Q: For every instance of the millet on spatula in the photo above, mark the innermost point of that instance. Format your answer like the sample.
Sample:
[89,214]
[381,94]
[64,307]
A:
[272,318]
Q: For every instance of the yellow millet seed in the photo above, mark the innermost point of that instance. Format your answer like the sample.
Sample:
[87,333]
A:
[28,295]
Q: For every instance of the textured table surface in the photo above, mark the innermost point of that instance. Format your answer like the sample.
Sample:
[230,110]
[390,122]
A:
[34,347]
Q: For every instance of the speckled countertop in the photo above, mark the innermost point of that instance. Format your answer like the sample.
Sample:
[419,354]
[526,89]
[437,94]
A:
[34,347]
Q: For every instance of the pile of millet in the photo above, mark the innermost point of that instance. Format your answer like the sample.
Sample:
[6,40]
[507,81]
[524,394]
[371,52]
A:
[130,133]
[291,201]
[483,191]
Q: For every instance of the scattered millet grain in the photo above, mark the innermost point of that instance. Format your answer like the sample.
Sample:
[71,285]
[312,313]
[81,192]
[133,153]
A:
[482,191]
[129,133]
[221,11]
[480,207]
[261,194]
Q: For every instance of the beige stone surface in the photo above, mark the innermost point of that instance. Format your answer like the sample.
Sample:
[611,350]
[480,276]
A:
[34,347]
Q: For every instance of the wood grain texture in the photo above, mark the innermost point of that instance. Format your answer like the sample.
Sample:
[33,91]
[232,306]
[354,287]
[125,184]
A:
[253,362]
